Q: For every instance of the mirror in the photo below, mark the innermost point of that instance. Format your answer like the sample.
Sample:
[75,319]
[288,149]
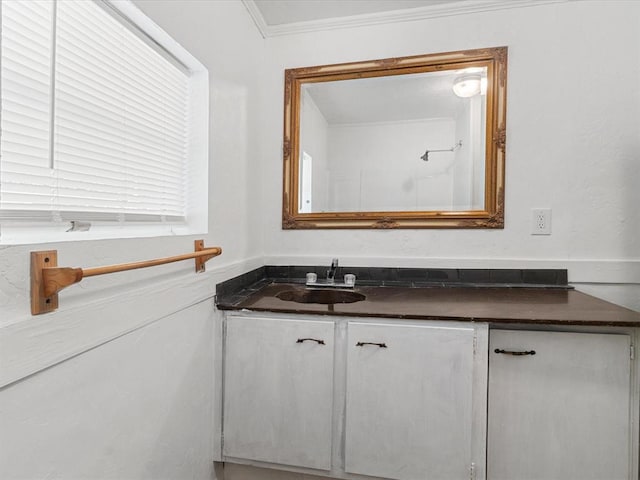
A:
[411,142]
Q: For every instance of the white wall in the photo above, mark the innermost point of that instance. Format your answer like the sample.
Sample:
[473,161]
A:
[573,143]
[136,399]
[313,141]
[135,408]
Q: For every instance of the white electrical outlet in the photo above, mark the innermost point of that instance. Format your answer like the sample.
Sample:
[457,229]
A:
[540,221]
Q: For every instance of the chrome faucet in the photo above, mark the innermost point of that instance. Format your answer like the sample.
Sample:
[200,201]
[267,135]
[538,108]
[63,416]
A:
[331,273]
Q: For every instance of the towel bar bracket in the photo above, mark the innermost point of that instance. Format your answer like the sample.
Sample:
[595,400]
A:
[200,261]
[41,303]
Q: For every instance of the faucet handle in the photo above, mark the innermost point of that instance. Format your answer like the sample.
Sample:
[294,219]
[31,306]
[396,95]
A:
[334,263]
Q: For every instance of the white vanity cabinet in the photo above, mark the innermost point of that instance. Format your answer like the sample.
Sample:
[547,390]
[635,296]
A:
[559,406]
[416,400]
[354,398]
[278,390]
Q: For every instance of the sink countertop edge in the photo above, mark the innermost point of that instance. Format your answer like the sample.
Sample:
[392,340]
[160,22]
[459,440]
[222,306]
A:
[496,305]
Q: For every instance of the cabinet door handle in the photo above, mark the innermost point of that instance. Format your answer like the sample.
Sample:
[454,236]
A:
[362,344]
[319,342]
[511,352]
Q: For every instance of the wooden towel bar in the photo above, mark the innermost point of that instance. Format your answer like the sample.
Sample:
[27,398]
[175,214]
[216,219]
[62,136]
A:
[47,279]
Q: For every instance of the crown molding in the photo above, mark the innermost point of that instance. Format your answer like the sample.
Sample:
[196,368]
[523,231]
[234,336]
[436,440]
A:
[257,17]
[462,7]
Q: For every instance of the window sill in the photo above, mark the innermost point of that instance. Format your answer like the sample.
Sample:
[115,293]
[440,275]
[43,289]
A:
[37,234]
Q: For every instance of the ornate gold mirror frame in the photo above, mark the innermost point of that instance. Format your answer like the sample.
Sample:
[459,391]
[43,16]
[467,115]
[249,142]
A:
[492,213]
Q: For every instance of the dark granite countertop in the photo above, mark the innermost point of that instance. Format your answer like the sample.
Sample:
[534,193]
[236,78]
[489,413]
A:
[496,305]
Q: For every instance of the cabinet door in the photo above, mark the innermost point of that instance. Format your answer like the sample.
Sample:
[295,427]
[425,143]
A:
[561,413]
[416,403]
[278,391]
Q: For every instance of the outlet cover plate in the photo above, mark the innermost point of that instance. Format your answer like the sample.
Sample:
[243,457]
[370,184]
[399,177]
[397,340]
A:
[540,221]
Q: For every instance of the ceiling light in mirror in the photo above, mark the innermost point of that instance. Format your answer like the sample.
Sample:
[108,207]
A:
[467,85]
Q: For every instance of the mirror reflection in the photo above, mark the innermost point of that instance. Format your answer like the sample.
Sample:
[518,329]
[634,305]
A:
[409,142]
[401,143]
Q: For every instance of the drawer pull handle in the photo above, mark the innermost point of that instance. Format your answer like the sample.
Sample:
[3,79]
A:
[319,342]
[362,344]
[510,352]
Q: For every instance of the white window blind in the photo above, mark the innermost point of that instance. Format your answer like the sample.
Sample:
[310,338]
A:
[27,182]
[96,121]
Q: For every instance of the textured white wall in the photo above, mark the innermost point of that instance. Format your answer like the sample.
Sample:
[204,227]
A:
[138,405]
[573,142]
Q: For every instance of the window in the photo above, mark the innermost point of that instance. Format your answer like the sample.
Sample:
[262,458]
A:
[104,120]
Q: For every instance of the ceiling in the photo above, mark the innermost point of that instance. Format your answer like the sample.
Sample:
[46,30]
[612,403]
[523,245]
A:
[417,96]
[286,17]
[280,12]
